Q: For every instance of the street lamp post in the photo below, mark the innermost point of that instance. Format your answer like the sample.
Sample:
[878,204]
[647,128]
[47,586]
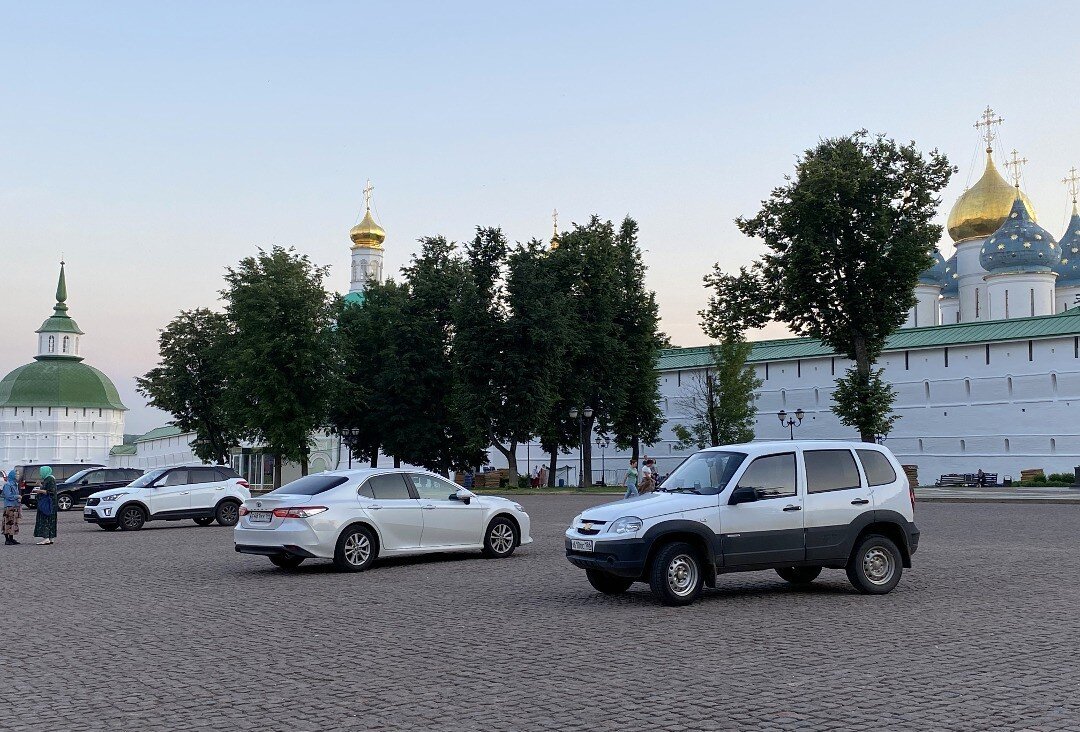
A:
[349,434]
[581,415]
[602,442]
[790,423]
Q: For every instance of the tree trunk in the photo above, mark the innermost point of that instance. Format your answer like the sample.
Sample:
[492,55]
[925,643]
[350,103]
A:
[862,366]
[397,462]
[304,460]
[553,463]
[277,471]
[511,461]
[635,450]
[375,456]
[712,406]
[586,452]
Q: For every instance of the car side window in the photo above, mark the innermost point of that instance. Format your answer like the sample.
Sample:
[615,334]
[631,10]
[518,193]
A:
[772,475]
[203,475]
[830,470]
[431,488]
[366,491]
[176,477]
[878,469]
[97,477]
[389,486]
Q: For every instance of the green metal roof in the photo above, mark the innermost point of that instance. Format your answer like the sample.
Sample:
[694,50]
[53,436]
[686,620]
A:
[58,382]
[905,339]
[123,450]
[160,432]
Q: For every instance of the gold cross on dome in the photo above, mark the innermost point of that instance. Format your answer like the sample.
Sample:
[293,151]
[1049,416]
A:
[555,217]
[1072,183]
[986,125]
[1014,164]
[367,194]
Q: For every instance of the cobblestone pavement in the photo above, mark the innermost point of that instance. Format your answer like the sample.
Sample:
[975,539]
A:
[169,629]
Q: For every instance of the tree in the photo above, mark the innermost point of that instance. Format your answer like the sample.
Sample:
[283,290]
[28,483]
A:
[720,405]
[191,381]
[847,239]
[282,352]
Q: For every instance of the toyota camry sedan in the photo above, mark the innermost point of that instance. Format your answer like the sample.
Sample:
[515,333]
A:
[357,516]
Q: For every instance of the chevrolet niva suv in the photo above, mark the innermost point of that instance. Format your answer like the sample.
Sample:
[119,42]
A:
[795,507]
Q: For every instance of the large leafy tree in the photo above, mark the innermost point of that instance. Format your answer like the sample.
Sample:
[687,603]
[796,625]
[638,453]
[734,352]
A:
[282,352]
[191,381]
[848,236]
[720,403]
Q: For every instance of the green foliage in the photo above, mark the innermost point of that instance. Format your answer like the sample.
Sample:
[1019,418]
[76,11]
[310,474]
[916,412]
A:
[736,303]
[191,380]
[1067,478]
[721,405]
[282,350]
[864,401]
[847,239]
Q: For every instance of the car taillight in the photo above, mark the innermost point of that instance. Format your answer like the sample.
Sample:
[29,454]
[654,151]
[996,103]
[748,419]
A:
[242,483]
[298,511]
[911,494]
[244,511]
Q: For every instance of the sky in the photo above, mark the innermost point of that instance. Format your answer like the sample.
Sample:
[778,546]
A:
[154,144]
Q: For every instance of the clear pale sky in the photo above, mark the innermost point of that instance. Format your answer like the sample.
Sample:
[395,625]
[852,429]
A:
[154,144]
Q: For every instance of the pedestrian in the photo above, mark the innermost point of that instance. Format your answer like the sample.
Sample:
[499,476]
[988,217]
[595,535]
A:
[648,477]
[631,479]
[45,526]
[12,509]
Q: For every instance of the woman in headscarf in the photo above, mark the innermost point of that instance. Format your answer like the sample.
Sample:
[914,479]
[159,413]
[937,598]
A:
[45,527]
[12,510]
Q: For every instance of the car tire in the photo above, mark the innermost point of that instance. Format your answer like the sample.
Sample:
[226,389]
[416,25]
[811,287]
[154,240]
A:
[64,502]
[676,575]
[875,566]
[109,527]
[131,518]
[205,520]
[501,538]
[799,575]
[356,549]
[607,583]
[227,513]
[287,561]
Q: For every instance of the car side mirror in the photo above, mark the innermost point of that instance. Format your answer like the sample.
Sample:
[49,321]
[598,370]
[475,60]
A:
[464,495]
[85,481]
[743,494]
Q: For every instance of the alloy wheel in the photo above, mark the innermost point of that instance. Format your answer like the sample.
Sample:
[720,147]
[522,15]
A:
[64,502]
[502,538]
[357,549]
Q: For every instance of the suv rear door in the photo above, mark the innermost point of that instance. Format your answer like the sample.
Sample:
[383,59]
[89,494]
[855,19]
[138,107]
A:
[836,499]
[207,486]
[770,529]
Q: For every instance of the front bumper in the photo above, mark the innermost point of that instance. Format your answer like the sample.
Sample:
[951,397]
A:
[623,557]
[100,514]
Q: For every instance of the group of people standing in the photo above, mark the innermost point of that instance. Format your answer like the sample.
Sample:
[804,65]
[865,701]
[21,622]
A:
[45,525]
[643,481]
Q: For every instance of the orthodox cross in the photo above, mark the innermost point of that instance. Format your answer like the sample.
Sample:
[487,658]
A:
[1014,164]
[555,218]
[986,125]
[1072,183]
[367,194]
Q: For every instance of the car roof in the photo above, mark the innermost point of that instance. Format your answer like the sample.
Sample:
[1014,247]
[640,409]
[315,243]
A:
[758,448]
[361,473]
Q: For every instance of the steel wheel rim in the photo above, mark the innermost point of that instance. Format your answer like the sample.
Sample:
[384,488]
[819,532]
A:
[878,565]
[502,538]
[64,503]
[229,513]
[682,575]
[357,549]
[131,517]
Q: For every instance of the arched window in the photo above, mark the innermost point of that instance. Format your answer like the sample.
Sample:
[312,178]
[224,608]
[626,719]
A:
[52,344]
[920,445]
[783,397]
[64,347]
[926,390]
[963,445]
[1008,382]
[1053,445]
[1053,384]
[967,389]
[1007,444]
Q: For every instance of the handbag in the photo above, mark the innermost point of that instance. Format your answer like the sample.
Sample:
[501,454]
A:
[45,504]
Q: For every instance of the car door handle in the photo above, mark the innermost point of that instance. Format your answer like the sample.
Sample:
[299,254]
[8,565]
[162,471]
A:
[792,508]
[374,508]
[860,502]
[428,507]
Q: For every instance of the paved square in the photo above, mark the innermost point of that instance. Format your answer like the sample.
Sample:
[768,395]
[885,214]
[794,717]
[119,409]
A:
[169,629]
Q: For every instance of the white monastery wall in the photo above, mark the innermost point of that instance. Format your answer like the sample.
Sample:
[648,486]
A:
[43,435]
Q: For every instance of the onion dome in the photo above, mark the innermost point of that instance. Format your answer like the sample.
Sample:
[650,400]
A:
[1020,245]
[985,206]
[951,279]
[1068,267]
[367,233]
[935,273]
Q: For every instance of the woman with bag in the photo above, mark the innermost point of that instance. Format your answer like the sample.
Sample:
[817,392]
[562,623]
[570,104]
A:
[45,526]
[12,510]
[647,484]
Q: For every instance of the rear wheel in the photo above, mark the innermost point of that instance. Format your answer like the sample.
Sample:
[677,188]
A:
[501,538]
[205,520]
[355,549]
[799,575]
[608,583]
[227,513]
[875,565]
[132,518]
[287,561]
[676,576]
[64,502]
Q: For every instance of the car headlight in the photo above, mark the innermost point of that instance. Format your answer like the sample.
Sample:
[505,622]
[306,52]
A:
[625,525]
[518,507]
[113,497]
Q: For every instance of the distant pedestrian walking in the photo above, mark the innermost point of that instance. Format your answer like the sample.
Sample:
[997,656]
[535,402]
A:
[648,478]
[631,480]
[45,526]
[12,509]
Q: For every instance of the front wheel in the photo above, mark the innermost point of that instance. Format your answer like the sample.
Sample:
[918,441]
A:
[609,584]
[501,538]
[676,575]
[355,549]
[227,513]
[287,561]
[132,518]
[799,575]
[64,502]
[205,520]
[875,565]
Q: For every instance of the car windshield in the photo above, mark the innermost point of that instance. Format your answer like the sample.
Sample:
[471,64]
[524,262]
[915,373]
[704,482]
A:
[147,478]
[309,485]
[703,472]
[80,475]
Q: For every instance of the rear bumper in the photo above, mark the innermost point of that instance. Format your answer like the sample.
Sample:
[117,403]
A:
[624,558]
[274,551]
[913,534]
[301,541]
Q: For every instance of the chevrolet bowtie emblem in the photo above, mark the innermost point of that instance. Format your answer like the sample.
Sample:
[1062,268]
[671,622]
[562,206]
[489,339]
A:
[587,526]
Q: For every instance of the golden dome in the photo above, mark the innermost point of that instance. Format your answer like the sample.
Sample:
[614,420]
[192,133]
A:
[984,206]
[367,233]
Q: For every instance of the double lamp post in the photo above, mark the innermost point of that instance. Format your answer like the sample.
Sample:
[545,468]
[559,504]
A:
[581,415]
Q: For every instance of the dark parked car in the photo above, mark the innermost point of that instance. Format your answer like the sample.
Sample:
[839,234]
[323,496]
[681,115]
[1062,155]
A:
[29,477]
[78,487]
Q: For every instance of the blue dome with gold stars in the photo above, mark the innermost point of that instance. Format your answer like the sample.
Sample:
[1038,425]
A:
[1019,245]
[951,278]
[935,273]
[1068,267]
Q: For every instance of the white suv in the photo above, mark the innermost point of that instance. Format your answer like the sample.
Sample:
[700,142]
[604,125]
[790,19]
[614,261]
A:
[794,507]
[205,493]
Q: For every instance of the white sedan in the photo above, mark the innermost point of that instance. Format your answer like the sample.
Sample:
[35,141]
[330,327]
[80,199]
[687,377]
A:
[356,516]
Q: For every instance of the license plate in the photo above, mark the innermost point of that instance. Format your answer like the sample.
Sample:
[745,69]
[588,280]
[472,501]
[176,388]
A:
[581,545]
[260,517]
